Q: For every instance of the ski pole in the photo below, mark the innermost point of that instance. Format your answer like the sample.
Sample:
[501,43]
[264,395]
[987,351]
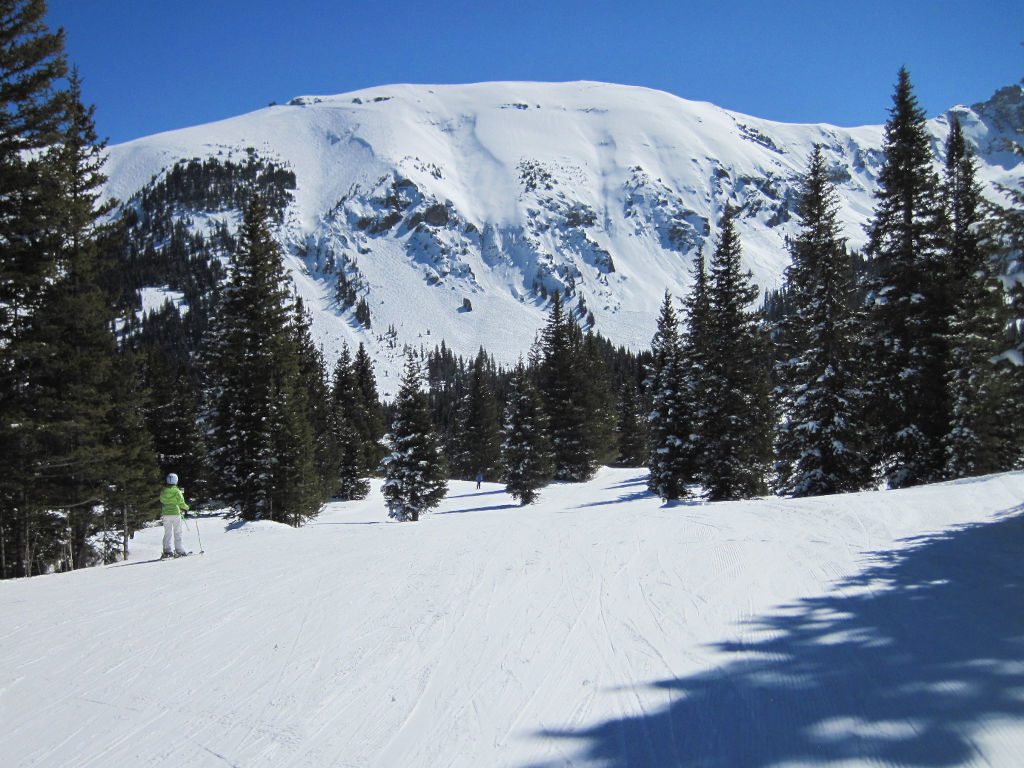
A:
[199,537]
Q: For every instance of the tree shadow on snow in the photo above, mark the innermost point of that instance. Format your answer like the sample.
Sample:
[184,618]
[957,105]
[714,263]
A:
[624,498]
[477,509]
[899,664]
[632,483]
[475,493]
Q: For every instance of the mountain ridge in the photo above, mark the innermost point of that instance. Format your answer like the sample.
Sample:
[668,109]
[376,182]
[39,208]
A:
[456,210]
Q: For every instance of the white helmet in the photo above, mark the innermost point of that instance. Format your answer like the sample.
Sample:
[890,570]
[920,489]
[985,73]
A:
[172,479]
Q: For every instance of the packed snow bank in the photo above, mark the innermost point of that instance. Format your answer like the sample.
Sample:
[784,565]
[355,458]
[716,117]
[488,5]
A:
[596,628]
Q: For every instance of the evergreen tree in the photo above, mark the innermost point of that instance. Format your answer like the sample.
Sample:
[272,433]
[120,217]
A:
[301,402]
[598,398]
[371,426]
[739,417]
[135,474]
[669,426]
[415,470]
[697,350]
[526,454]
[977,438]
[819,444]
[632,427]
[261,439]
[71,374]
[348,423]
[32,111]
[1005,234]
[478,440]
[908,306]
[567,390]
[313,374]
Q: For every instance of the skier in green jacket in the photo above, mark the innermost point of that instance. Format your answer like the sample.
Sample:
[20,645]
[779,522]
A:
[173,502]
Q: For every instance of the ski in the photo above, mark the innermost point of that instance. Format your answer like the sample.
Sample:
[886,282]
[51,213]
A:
[176,556]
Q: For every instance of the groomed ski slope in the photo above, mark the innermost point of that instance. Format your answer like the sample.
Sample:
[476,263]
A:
[596,628]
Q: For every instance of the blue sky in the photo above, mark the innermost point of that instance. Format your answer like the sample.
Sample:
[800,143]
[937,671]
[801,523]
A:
[155,65]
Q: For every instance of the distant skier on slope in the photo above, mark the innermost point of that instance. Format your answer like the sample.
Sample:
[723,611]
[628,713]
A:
[173,502]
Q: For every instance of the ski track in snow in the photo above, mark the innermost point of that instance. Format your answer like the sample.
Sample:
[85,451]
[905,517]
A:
[595,628]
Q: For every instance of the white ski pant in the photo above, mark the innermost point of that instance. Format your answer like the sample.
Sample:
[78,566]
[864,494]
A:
[172,527]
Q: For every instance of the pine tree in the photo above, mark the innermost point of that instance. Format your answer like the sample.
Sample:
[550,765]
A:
[134,474]
[566,390]
[300,484]
[1004,233]
[819,444]
[977,438]
[669,425]
[526,453]
[260,436]
[415,470]
[697,351]
[739,418]
[371,426]
[478,440]
[348,423]
[32,110]
[598,399]
[631,428]
[908,306]
[313,375]
[72,372]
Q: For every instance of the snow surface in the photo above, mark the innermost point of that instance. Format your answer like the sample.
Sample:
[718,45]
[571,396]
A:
[595,628]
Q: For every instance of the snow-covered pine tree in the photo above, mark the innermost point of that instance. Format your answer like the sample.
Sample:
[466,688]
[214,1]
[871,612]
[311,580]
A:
[415,470]
[257,410]
[526,454]
[739,419]
[819,438]
[670,457]
[1005,233]
[978,437]
[907,304]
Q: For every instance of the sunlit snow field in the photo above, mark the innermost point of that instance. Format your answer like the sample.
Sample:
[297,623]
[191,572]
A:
[595,628]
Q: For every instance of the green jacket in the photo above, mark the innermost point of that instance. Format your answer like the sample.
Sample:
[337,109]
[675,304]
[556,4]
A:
[172,500]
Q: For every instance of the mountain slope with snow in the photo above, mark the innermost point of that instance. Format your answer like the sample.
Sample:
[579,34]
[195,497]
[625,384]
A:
[596,628]
[457,210]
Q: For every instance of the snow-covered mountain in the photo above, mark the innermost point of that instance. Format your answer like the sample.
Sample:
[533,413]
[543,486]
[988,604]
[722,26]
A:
[456,210]
[596,628]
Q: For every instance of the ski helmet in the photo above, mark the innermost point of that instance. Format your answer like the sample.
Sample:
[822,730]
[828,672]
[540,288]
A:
[172,479]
